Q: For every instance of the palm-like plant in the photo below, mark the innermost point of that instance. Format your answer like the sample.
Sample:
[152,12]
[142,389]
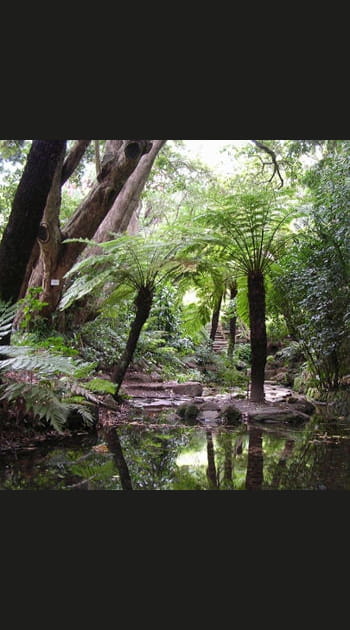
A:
[252,228]
[127,264]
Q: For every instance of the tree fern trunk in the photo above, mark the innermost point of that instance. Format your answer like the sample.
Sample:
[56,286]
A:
[232,324]
[215,319]
[143,303]
[258,340]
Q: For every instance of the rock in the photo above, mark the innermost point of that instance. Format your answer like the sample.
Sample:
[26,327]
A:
[301,404]
[210,405]
[231,415]
[191,388]
[111,402]
[209,415]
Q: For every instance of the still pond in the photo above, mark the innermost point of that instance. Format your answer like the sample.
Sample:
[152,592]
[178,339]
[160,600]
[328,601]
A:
[315,456]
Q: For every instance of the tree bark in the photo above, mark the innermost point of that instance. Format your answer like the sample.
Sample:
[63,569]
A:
[73,158]
[258,340]
[71,162]
[125,205]
[27,210]
[119,161]
[143,303]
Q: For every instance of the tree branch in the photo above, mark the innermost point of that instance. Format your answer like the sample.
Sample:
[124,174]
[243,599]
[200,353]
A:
[73,158]
[272,154]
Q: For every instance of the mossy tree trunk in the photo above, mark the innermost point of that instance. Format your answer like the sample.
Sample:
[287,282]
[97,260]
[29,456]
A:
[27,210]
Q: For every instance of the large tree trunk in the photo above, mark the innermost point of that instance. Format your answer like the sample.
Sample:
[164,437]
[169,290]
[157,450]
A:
[119,161]
[70,163]
[258,340]
[119,216]
[143,303]
[26,213]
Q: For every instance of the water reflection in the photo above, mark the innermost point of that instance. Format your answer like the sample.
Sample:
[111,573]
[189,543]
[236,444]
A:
[113,442]
[248,457]
[255,475]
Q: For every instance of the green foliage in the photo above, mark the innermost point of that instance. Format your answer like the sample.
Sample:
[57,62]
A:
[314,281]
[31,306]
[46,396]
[276,328]
[100,386]
[252,225]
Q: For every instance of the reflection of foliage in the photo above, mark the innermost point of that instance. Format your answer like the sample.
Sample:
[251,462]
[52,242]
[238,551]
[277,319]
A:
[151,456]
[319,459]
[314,457]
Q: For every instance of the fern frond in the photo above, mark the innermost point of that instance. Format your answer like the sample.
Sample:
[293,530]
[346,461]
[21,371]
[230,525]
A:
[7,314]
[40,400]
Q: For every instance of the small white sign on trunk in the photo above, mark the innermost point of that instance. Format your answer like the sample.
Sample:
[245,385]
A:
[54,282]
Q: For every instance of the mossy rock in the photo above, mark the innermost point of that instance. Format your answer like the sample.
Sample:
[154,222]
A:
[231,415]
[188,413]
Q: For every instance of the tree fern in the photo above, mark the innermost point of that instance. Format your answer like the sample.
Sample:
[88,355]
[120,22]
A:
[50,395]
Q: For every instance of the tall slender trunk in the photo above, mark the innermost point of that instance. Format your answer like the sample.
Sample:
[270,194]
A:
[232,324]
[215,319]
[143,303]
[258,339]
